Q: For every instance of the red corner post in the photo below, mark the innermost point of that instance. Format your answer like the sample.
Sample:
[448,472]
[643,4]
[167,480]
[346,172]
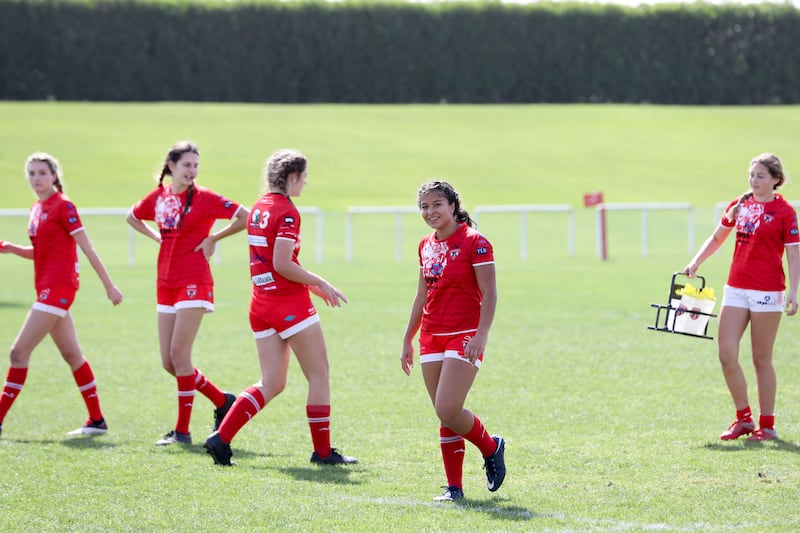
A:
[589,200]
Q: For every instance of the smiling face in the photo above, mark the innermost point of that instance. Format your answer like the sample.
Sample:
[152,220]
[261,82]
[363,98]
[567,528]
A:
[184,171]
[438,213]
[41,178]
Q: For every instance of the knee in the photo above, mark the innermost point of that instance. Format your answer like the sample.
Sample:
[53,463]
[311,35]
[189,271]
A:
[18,357]
[728,357]
[762,362]
[270,388]
[72,358]
[168,367]
[447,413]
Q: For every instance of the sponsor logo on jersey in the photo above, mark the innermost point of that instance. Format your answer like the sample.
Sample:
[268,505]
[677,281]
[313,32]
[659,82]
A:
[263,279]
[257,240]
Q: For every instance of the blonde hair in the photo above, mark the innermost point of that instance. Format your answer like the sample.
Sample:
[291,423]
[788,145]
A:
[775,168]
[280,165]
[51,161]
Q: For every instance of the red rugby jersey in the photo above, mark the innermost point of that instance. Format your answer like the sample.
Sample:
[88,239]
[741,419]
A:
[453,301]
[178,264]
[51,227]
[763,229]
[273,216]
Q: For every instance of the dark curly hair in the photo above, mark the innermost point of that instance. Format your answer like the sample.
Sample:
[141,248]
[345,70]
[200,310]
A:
[447,190]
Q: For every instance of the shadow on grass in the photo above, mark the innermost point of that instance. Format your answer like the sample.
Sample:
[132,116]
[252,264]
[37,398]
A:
[777,445]
[87,441]
[499,510]
[14,305]
[322,474]
[84,441]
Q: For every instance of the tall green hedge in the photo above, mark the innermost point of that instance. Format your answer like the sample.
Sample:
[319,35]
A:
[398,52]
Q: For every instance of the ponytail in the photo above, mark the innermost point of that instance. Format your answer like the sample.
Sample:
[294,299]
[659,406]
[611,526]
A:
[731,213]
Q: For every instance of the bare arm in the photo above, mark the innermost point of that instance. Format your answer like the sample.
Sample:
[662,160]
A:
[25,252]
[485,275]
[708,248]
[209,244]
[793,259]
[414,322]
[112,291]
[282,261]
[143,228]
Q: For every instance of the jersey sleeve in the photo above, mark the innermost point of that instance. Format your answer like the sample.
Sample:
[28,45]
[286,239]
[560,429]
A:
[145,209]
[217,206]
[288,225]
[69,218]
[791,235]
[724,220]
[482,251]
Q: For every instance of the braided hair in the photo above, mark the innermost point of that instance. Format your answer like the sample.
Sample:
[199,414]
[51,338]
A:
[174,155]
[280,165]
[447,190]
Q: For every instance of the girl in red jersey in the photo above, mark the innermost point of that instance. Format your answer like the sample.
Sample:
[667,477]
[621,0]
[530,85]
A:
[454,308]
[282,316]
[185,213]
[54,230]
[766,225]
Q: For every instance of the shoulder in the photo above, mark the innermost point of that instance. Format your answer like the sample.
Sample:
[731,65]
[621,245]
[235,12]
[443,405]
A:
[62,201]
[475,236]
[783,201]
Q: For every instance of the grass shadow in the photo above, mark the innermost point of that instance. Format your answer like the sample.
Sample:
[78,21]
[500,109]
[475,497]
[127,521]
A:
[499,510]
[323,474]
[14,305]
[84,441]
[87,441]
[777,445]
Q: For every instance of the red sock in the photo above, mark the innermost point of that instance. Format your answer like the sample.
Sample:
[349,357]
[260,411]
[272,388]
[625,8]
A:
[13,386]
[744,415]
[246,406]
[185,402]
[766,421]
[319,421]
[452,445]
[84,378]
[481,438]
[208,389]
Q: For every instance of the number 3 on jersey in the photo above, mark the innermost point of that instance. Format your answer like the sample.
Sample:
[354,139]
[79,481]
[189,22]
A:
[259,219]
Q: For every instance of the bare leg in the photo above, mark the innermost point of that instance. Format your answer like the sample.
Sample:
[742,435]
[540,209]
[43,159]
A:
[732,324]
[763,330]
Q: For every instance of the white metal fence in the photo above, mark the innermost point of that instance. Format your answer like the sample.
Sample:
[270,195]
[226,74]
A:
[645,209]
[398,212]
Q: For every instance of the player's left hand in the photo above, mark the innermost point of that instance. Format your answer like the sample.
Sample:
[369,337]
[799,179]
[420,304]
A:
[791,305]
[475,347]
[208,246]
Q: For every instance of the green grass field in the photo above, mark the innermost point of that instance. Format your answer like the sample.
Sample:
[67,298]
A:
[609,426]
